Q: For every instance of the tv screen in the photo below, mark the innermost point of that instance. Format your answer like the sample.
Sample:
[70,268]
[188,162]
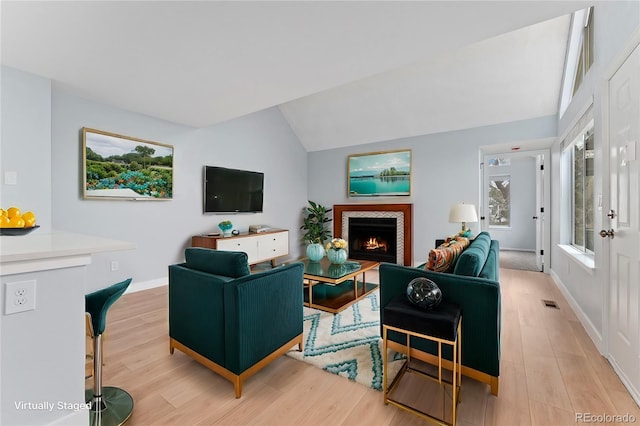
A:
[232,191]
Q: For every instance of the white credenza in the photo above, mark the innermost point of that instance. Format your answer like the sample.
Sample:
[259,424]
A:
[261,247]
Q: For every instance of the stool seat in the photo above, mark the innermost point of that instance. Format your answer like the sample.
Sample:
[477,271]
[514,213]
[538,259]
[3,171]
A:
[441,322]
[109,405]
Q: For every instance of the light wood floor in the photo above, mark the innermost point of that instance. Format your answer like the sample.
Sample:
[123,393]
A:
[550,371]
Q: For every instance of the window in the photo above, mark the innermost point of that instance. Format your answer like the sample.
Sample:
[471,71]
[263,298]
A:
[585,57]
[579,55]
[500,161]
[499,201]
[582,188]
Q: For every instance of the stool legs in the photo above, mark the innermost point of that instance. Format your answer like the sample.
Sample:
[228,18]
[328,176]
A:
[109,405]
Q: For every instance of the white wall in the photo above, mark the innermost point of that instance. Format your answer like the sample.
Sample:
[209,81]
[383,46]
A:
[41,140]
[161,230]
[26,143]
[446,170]
[614,25]
[521,234]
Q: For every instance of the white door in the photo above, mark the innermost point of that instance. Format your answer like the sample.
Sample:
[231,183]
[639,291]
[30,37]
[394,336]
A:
[538,214]
[624,297]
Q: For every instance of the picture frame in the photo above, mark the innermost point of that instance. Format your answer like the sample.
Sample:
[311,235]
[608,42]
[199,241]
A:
[125,168]
[383,173]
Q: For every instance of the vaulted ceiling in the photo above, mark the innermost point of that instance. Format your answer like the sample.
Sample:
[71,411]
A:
[343,73]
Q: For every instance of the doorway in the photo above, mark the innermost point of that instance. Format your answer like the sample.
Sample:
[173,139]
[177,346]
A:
[514,193]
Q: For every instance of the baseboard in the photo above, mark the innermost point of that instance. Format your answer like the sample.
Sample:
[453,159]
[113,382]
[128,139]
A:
[146,285]
[518,249]
[635,394]
[79,418]
[591,330]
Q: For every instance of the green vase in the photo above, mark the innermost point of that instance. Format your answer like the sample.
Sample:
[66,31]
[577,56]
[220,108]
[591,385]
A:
[337,256]
[315,252]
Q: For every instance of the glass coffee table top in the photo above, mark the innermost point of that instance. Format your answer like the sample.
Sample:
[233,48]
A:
[326,269]
[332,287]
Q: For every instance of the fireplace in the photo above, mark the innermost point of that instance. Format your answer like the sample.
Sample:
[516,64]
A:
[384,244]
[372,238]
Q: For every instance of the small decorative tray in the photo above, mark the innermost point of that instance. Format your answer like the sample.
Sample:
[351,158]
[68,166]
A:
[17,231]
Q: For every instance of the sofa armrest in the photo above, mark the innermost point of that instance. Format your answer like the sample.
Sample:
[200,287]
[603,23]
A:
[479,300]
[263,311]
[196,311]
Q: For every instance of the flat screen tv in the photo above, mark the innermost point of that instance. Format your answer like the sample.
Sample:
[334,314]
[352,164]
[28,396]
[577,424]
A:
[232,191]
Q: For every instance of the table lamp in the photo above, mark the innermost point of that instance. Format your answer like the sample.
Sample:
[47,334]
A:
[463,213]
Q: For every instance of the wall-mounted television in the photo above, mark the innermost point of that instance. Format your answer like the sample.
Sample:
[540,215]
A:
[232,191]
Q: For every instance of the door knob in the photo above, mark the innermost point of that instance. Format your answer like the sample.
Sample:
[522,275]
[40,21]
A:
[610,233]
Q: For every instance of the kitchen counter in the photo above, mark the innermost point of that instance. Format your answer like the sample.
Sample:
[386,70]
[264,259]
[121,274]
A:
[42,251]
[42,349]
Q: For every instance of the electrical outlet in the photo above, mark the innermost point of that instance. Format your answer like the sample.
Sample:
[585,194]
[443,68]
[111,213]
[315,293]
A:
[19,296]
[115,265]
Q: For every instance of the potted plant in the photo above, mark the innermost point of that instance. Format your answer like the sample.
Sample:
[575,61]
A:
[225,226]
[315,219]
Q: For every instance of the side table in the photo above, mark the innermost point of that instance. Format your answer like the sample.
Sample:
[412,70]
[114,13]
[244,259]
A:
[443,325]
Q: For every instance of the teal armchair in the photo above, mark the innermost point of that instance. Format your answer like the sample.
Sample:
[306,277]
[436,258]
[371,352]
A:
[230,320]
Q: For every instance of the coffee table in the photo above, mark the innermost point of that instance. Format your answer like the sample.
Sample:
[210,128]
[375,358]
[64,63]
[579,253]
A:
[333,288]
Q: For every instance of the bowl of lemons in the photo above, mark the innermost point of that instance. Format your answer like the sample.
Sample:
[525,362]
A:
[14,222]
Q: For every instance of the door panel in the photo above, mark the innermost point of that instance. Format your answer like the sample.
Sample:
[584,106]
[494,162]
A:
[624,280]
[539,213]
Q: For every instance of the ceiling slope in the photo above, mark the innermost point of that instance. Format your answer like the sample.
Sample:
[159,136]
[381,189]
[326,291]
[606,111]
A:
[200,63]
[511,77]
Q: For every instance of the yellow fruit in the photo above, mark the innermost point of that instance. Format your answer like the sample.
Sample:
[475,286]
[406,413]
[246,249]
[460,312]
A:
[29,219]
[16,222]
[13,212]
[3,212]
[4,221]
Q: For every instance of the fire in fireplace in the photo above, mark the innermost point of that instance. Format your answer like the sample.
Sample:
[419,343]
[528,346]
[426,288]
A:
[372,239]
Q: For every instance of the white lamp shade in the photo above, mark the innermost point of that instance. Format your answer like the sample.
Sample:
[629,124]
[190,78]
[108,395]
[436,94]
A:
[463,213]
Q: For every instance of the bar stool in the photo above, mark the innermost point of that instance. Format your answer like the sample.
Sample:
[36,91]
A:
[109,405]
[443,324]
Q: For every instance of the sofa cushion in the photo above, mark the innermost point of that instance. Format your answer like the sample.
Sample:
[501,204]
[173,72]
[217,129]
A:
[443,258]
[491,267]
[472,260]
[226,263]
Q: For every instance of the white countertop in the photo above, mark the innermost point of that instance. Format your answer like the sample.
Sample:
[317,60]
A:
[36,246]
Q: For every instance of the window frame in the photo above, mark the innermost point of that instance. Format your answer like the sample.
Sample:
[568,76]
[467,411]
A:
[581,138]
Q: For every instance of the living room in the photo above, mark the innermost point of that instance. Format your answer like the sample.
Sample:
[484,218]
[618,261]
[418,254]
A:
[42,120]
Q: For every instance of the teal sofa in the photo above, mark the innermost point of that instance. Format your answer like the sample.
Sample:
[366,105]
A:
[474,286]
[230,320]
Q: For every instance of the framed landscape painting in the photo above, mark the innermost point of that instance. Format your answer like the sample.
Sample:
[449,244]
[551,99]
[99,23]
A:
[386,173]
[126,168]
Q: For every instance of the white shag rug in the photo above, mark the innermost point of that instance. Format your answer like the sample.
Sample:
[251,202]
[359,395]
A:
[348,343]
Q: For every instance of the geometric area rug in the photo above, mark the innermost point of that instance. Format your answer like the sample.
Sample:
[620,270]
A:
[348,343]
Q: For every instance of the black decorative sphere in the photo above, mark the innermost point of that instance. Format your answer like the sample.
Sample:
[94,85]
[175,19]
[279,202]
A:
[424,293]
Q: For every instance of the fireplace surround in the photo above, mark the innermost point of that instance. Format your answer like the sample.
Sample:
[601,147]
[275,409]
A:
[401,213]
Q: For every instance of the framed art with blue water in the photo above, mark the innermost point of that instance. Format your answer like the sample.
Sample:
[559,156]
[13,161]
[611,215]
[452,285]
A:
[385,173]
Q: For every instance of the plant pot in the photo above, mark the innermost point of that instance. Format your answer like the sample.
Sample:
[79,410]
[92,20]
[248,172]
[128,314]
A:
[226,229]
[337,256]
[315,252]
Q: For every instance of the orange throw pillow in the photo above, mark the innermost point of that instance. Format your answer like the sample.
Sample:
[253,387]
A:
[443,258]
